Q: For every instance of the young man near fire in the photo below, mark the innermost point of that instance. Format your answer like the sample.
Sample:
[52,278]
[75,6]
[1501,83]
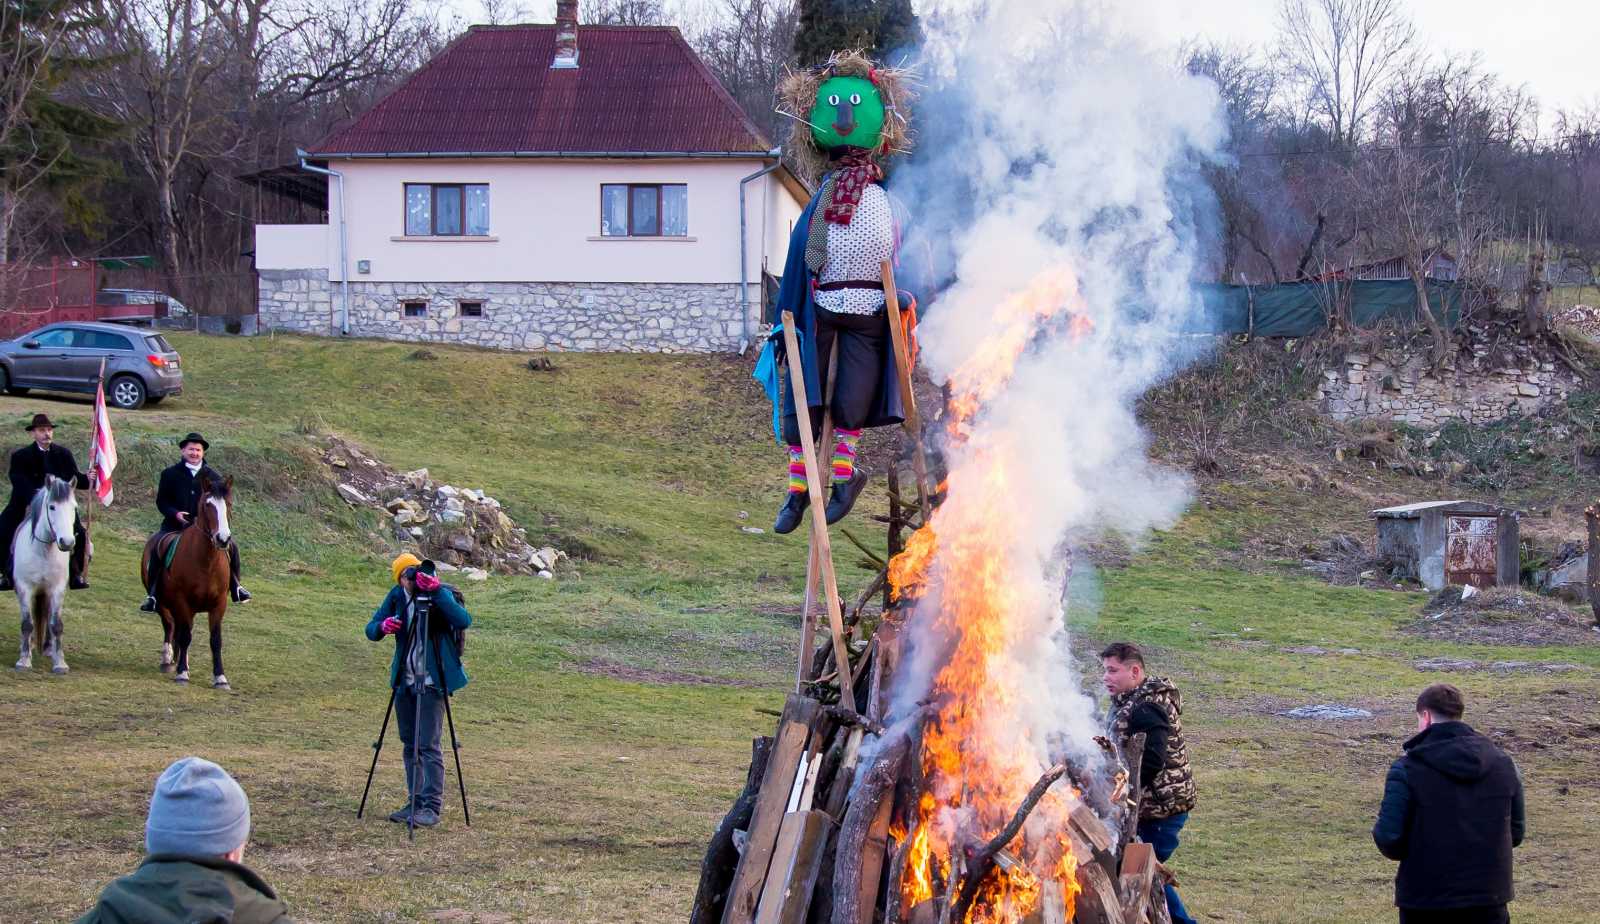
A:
[1452,812]
[1153,706]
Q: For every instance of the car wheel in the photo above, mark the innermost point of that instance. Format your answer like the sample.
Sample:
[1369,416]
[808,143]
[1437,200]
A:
[5,383]
[127,392]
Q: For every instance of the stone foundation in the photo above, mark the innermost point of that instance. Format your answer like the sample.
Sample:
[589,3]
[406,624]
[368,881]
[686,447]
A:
[1479,390]
[581,316]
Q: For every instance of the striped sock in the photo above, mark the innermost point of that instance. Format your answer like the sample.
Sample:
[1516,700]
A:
[844,455]
[797,470]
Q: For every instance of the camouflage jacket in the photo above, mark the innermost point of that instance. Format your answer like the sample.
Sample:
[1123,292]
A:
[1172,791]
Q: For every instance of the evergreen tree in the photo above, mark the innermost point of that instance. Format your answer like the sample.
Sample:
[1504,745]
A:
[45,140]
[881,27]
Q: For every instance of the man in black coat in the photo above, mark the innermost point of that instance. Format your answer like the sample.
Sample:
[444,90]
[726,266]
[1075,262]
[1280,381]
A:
[178,499]
[1452,811]
[29,466]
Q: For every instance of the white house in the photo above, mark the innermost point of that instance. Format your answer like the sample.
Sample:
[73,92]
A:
[541,187]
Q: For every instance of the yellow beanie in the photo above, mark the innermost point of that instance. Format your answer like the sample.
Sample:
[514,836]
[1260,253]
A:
[406,560]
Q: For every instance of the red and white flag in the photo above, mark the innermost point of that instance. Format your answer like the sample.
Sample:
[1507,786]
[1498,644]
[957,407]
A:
[103,455]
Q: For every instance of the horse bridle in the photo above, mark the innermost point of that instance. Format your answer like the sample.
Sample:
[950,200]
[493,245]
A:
[55,538]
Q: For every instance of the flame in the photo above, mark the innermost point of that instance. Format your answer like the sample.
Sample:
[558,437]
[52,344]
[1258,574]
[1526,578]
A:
[977,763]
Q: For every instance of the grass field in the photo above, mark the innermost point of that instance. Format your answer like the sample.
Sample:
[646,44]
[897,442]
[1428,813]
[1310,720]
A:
[608,720]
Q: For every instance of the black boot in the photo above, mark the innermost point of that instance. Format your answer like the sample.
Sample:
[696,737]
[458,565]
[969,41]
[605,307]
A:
[790,514]
[5,582]
[844,497]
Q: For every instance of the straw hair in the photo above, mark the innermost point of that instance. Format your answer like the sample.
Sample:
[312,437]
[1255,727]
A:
[798,92]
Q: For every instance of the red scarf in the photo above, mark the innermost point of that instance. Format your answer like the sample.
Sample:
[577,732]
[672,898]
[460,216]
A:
[850,180]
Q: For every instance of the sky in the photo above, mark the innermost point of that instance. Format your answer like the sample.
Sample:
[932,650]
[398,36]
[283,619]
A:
[1550,46]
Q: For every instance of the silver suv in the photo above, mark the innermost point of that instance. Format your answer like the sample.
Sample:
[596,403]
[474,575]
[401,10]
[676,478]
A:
[141,367]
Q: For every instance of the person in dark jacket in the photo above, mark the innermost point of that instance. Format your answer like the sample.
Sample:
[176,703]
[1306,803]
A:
[178,499]
[425,669]
[1153,706]
[194,838]
[29,466]
[1452,812]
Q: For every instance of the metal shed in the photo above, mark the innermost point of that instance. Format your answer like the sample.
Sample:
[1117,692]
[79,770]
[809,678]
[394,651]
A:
[1451,542]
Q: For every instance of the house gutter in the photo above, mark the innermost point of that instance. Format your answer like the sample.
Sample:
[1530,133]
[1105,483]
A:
[744,262]
[344,257]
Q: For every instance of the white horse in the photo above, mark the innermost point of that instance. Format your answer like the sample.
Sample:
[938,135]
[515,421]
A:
[41,548]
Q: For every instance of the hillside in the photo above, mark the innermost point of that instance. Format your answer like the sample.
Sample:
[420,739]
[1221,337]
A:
[608,720]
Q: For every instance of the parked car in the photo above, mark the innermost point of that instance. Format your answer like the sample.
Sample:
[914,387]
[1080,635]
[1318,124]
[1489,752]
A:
[175,308]
[141,367]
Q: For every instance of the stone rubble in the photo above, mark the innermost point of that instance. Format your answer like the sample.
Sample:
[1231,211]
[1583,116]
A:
[462,529]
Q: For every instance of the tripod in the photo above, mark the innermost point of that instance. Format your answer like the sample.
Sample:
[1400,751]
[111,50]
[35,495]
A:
[413,779]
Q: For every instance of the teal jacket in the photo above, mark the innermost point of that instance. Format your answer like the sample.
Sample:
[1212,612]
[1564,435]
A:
[445,606]
[175,889]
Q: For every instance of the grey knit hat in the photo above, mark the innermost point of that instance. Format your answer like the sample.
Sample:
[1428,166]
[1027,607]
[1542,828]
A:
[197,809]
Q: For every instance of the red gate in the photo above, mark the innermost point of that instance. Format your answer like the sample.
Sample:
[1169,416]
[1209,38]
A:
[35,294]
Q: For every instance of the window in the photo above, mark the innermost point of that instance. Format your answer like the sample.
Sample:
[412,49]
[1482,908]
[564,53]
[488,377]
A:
[470,309]
[102,340]
[644,210]
[415,309]
[158,343]
[447,209]
[58,338]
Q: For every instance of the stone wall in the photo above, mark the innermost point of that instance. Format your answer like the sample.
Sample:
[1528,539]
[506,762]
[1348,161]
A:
[1489,386]
[625,317]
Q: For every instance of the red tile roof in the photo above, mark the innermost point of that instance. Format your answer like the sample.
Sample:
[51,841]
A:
[492,91]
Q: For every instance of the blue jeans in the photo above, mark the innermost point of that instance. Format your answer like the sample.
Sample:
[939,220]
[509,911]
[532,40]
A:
[1162,836]
[426,782]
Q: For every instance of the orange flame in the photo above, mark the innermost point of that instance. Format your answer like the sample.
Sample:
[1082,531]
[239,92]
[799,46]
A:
[977,761]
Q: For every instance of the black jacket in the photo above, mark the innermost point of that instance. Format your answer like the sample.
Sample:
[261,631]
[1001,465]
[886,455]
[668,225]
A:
[1147,718]
[180,493]
[29,467]
[1452,810]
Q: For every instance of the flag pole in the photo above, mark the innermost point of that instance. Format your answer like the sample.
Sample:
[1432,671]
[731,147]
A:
[94,447]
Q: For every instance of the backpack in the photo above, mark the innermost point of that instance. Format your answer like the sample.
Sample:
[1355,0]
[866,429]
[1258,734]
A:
[459,636]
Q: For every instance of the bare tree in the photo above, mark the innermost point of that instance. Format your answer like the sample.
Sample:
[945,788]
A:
[625,13]
[1341,52]
[747,44]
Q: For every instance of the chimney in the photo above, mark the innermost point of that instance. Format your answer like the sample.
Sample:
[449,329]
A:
[566,34]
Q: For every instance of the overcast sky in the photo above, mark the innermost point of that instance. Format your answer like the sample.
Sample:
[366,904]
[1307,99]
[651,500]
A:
[1551,46]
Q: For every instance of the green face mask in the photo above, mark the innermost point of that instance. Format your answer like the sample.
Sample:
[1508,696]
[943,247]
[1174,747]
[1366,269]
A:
[848,112]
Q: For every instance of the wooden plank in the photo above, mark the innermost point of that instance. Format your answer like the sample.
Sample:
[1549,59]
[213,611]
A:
[908,397]
[819,522]
[776,785]
[1098,902]
[845,775]
[796,860]
[862,833]
[1052,907]
[1138,872]
[873,854]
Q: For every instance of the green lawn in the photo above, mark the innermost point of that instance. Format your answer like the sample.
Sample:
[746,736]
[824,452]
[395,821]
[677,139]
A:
[592,795]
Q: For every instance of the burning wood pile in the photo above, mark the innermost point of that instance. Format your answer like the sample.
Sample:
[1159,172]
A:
[941,766]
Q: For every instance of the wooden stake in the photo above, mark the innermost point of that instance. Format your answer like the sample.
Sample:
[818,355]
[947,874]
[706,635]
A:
[908,398]
[808,612]
[795,865]
[819,521]
[1592,515]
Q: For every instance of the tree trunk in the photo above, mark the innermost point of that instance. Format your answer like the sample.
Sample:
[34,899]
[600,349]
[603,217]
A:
[1534,319]
[167,236]
[1441,337]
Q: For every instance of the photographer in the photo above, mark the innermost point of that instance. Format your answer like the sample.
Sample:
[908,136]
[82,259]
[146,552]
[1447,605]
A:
[420,600]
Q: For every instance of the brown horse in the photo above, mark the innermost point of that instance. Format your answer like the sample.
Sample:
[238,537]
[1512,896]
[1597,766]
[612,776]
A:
[196,581]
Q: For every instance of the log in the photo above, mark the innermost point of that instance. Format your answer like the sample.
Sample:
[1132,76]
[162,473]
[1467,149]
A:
[861,836]
[1592,516]
[777,783]
[1133,759]
[1052,904]
[796,860]
[1134,884]
[983,862]
[839,789]
[722,856]
[1098,902]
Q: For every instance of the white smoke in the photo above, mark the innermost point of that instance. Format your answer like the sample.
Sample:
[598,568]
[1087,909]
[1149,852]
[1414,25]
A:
[1046,143]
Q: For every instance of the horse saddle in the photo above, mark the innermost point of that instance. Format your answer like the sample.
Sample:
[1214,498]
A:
[167,548]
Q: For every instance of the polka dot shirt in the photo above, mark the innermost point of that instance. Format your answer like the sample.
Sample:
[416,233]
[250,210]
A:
[856,252]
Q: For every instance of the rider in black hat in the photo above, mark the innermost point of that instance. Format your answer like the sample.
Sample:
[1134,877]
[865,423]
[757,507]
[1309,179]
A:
[178,499]
[29,466]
